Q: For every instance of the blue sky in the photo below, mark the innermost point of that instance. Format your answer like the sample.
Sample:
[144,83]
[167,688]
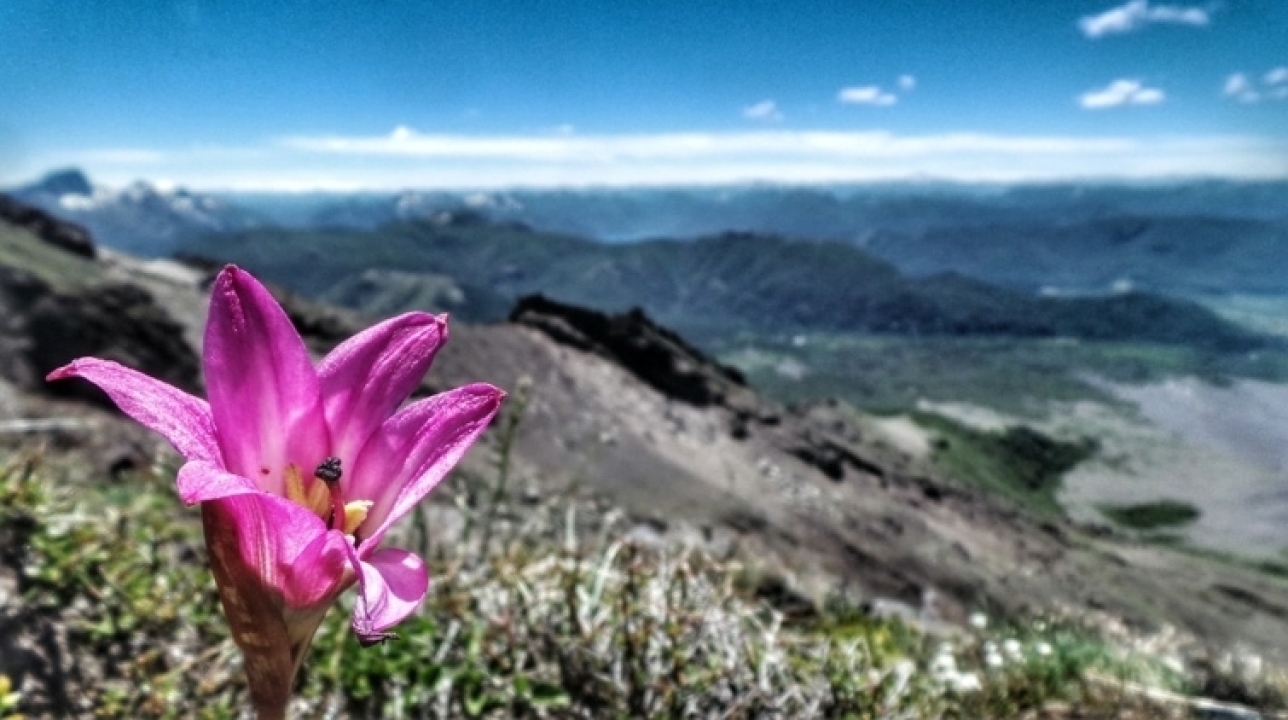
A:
[260,94]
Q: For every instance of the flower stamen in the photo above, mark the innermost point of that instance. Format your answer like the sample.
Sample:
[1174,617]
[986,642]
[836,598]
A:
[355,513]
[316,498]
[329,473]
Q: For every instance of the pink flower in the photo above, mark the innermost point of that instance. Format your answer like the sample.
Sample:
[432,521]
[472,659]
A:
[301,469]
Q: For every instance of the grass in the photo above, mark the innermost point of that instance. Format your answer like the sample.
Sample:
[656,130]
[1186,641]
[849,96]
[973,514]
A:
[1159,515]
[892,374]
[55,266]
[1018,463]
[559,618]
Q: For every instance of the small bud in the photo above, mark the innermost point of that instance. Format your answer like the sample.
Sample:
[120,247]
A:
[329,471]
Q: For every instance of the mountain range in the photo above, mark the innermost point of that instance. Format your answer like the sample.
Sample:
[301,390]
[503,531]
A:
[1184,238]
[140,218]
[715,286]
[1188,255]
[818,498]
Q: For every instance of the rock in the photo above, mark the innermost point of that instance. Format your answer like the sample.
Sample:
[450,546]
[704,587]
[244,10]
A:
[42,329]
[654,354]
[117,322]
[663,360]
[69,236]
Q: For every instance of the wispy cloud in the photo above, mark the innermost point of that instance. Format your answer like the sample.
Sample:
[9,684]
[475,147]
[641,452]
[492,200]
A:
[1121,92]
[1238,86]
[126,156]
[866,95]
[782,156]
[588,149]
[907,83]
[1274,86]
[1139,13]
[407,158]
[763,111]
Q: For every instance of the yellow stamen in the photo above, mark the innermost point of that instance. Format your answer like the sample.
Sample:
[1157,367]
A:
[354,514]
[317,498]
[294,485]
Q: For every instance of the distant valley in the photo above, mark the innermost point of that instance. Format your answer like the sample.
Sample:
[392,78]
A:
[1189,255]
[1194,239]
[817,291]
[710,287]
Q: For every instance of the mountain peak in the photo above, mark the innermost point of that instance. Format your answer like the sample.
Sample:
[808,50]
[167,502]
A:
[68,181]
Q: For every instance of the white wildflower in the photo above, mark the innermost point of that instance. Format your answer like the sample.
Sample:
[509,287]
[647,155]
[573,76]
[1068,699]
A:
[1011,647]
[966,682]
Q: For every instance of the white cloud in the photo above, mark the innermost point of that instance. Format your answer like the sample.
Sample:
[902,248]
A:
[412,159]
[1135,14]
[907,83]
[1238,86]
[1274,86]
[1121,92]
[764,111]
[780,156]
[588,149]
[866,95]
[126,156]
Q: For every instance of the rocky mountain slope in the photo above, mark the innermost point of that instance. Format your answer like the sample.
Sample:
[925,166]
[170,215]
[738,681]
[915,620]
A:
[819,499]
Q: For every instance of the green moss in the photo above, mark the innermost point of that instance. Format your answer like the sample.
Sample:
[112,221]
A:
[1018,463]
[1151,516]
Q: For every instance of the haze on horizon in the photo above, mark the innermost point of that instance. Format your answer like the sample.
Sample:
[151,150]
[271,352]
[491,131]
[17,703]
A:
[345,95]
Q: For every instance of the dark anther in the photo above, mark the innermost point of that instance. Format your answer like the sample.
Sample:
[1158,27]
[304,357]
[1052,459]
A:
[329,471]
[377,639]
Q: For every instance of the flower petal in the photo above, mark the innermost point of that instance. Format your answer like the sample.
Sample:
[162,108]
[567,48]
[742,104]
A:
[365,378]
[200,481]
[182,419]
[263,390]
[285,547]
[321,572]
[414,450]
[393,583]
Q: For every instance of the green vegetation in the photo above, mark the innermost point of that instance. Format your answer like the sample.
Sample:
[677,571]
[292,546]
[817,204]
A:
[57,267]
[1181,253]
[1018,463]
[890,374]
[1266,314]
[1152,516]
[555,621]
[8,699]
[714,286]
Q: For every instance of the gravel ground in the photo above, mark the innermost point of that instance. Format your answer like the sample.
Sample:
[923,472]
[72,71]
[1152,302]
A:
[1221,449]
